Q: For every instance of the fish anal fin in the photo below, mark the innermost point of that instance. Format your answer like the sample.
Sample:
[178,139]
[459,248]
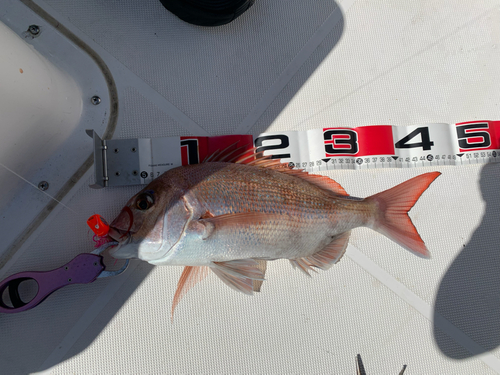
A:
[326,257]
[261,265]
[302,265]
[190,277]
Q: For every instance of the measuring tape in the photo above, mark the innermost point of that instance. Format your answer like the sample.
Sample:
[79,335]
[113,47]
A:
[138,161]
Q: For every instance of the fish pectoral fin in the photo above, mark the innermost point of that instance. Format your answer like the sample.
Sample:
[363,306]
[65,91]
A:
[207,215]
[324,258]
[239,274]
[189,278]
[207,226]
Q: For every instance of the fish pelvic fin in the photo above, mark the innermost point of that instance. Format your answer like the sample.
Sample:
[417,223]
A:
[239,274]
[325,258]
[392,219]
[190,277]
[262,266]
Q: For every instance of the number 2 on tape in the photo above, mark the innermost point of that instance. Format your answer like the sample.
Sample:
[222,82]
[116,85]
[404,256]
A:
[284,143]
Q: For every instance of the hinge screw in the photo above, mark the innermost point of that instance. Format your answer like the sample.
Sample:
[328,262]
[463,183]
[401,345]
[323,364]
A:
[43,185]
[34,30]
[95,100]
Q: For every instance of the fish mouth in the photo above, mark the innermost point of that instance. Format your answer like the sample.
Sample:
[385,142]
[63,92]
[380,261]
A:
[121,236]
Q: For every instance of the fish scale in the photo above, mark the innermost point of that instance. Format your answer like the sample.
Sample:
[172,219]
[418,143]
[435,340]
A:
[275,193]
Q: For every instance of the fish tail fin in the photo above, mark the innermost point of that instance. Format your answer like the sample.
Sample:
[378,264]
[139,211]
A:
[392,219]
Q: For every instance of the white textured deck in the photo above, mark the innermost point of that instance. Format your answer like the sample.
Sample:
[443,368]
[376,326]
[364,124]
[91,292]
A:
[283,65]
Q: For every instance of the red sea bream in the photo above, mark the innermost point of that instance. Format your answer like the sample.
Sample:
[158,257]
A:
[232,217]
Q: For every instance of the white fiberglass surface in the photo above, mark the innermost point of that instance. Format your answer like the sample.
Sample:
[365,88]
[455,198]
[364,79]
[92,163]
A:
[284,65]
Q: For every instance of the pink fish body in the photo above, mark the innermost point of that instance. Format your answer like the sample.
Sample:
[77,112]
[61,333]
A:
[232,217]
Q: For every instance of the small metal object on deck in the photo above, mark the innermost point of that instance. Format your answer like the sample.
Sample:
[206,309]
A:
[34,30]
[360,368]
[95,100]
[43,185]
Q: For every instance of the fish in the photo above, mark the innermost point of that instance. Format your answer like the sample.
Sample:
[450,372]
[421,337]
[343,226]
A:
[231,215]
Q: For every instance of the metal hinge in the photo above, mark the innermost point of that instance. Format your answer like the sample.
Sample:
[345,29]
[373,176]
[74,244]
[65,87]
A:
[100,160]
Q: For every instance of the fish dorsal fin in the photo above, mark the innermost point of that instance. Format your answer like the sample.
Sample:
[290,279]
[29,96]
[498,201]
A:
[325,258]
[230,152]
[323,182]
[189,278]
[239,274]
[244,155]
[249,157]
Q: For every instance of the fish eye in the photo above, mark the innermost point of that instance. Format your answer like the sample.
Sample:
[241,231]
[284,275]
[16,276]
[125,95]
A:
[144,201]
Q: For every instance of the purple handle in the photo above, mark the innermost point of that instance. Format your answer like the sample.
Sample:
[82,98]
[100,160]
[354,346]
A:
[83,269]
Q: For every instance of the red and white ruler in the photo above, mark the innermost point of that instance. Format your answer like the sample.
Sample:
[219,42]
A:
[139,161]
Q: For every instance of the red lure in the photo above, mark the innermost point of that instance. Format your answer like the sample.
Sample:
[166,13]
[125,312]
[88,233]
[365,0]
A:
[101,228]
